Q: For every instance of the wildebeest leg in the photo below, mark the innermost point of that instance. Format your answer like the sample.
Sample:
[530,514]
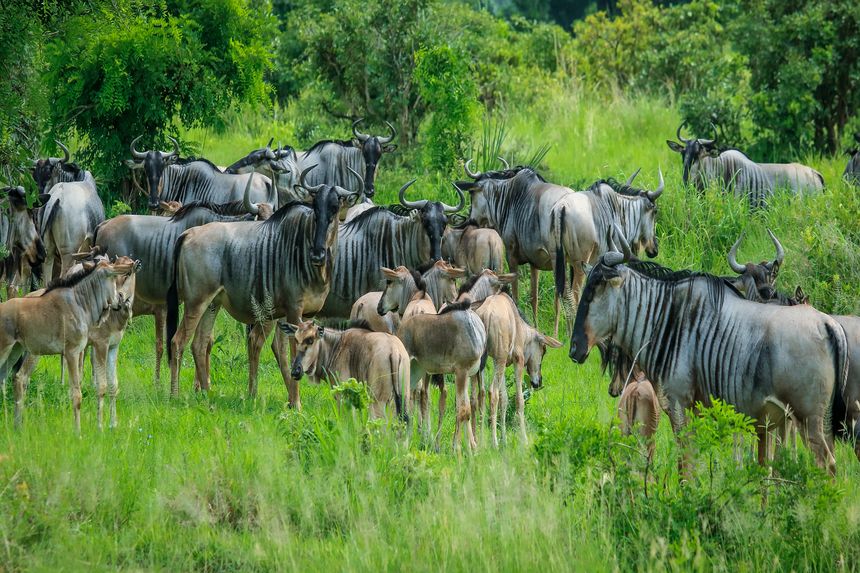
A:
[515,286]
[519,367]
[160,314]
[503,404]
[279,347]
[112,381]
[193,314]
[443,398]
[763,435]
[495,388]
[678,419]
[73,363]
[22,377]
[816,441]
[201,347]
[535,276]
[99,359]
[464,412]
[256,338]
[576,281]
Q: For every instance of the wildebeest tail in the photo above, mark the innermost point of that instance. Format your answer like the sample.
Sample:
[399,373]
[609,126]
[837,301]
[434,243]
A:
[484,359]
[839,348]
[397,379]
[173,299]
[48,216]
[559,266]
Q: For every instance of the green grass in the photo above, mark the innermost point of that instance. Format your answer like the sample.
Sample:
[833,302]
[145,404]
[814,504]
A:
[220,483]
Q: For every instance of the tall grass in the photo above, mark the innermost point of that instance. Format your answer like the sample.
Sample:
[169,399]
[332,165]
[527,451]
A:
[218,482]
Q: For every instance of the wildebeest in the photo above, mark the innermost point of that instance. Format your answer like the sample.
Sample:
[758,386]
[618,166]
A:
[378,359]
[639,409]
[704,162]
[151,240]
[71,213]
[26,253]
[453,341]
[379,238]
[169,178]
[336,157]
[58,322]
[510,340]
[280,165]
[704,341]
[756,281]
[852,170]
[552,228]
[473,248]
[259,272]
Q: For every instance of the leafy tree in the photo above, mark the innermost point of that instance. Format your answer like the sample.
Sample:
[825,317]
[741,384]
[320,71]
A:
[129,68]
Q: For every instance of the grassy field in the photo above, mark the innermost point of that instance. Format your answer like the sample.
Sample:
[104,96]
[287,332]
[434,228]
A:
[220,483]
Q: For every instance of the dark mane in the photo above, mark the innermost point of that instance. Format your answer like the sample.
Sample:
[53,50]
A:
[617,186]
[233,208]
[282,212]
[364,215]
[508,173]
[470,282]
[188,160]
[360,324]
[318,144]
[717,286]
[419,280]
[456,306]
[465,224]
[425,266]
[70,280]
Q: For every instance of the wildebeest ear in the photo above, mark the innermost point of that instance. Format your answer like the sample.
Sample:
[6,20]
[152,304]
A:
[464,185]
[675,146]
[390,148]
[455,273]
[42,200]
[70,167]
[507,277]
[549,341]
[320,330]
[388,272]
[356,143]
[288,328]
[133,164]
[799,294]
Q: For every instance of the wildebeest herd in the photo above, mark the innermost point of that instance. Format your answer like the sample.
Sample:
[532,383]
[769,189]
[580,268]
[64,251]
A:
[291,243]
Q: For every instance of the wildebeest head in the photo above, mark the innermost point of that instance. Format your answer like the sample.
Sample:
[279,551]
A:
[479,209]
[153,163]
[326,202]
[533,352]
[308,336]
[23,242]
[756,281]
[692,150]
[372,147]
[646,233]
[48,172]
[599,305]
[434,217]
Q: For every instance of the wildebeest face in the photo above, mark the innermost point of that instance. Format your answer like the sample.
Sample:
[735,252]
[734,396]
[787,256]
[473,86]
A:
[693,151]
[326,204]
[479,208]
[24,241]
[308,337]
[434,220]
[647,232]
[153,164]
[598,307]
[395,285]
[372,147]
[534,351]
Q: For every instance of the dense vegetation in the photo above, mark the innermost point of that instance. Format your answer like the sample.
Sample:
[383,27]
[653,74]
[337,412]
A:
[217,482]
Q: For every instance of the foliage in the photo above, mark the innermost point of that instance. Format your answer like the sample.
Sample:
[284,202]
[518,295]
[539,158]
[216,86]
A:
[131,68]
[444,82]
[352,393]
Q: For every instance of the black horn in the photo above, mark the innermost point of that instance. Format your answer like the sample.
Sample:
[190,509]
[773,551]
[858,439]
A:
[469,172]
[449,209]
[630,179]
[780,252]
[678,133]
[65,149]
[504,162]
[732,257]
[252,208]
[175,152]
[653,195]
[384,140]
[301,183]
[410,204]
[360,136]
[134,152]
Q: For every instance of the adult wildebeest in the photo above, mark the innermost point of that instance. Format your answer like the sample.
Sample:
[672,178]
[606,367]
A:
[26,253]
[379,238]
[152,239]
[697,339]
[453,341]
[280,165]
[59,322]
[756,281]
[552,228]
[71,213]
[378,359]
[852,170]
[259,272]
[704,162]
[170,179]
[473,248]
[336,157]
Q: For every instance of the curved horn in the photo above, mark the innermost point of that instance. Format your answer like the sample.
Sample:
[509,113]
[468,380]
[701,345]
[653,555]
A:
[622,240]
[268,145]
[175,152]
[653,195]
[358,176]
[311,190]
[65,149]
[504,162]
[612,258]
[630,179]
[731,257]
[678,133]
[410,204]
[780,252]
[134,152]
[252,208]
[469,172]
[360,136]
[449,209]
[384,140]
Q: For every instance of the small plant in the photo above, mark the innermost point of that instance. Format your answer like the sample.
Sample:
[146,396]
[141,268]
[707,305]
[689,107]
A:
[352,393]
